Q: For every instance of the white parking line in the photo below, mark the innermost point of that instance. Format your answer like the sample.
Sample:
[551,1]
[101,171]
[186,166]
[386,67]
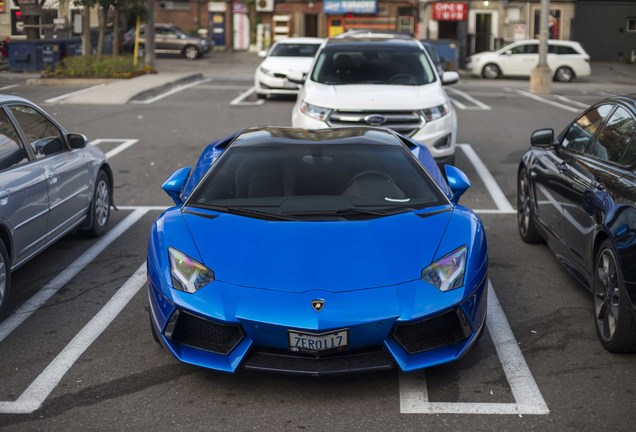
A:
[493,188]
[8,87]
[60,99]
[570,101]
[239,100]
[478,104]
[125,143]
[547,101]
[528,398]
[42,296]
[39,390]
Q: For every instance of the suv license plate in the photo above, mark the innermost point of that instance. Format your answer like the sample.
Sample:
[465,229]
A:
[318,343]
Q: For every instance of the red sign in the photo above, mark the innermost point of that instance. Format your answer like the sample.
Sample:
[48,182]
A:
[447,11]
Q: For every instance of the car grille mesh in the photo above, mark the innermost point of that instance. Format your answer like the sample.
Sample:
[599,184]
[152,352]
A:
[210,336]
[445,329]
[404,122]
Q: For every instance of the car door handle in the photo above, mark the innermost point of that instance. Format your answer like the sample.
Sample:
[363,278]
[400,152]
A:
[562,167]
[51,175]
[4,197]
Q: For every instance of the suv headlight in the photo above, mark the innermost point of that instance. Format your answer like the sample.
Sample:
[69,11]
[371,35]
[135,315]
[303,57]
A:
[314,111]
[447,273]
[188,274]
[434,113]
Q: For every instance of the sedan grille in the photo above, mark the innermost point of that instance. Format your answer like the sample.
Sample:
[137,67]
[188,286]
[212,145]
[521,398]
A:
[207,335]
[404,122]
[445,329]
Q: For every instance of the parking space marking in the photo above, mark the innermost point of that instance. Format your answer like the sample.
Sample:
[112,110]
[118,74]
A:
[125,143]
[39,390]
[526,393]
[8,87]
[548,101]
[491,184]
[43,295]
[570,101]
[172,91]
[60,99]
[239,100]
[478,105]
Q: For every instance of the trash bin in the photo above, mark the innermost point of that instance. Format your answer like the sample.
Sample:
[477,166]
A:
[50,55]
[34,55]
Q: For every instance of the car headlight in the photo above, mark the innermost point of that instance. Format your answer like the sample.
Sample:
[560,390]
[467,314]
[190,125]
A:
[434,113]
[188,274]
[447,273]
[267,71]
[314,111]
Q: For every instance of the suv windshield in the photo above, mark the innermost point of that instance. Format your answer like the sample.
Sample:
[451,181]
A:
[317,182]
[372,65]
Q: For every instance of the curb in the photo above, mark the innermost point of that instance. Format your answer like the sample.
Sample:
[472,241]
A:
[68,81]
[150,93]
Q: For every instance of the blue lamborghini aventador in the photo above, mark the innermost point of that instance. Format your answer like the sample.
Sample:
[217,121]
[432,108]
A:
[317,252]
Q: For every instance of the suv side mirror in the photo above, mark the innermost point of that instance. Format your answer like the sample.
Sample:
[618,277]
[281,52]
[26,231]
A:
[77,141]
[450,77]
[542,138]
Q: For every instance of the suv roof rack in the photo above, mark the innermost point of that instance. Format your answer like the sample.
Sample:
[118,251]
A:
[353,34]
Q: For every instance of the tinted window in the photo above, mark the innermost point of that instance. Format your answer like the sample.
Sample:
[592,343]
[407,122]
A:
[373,66]
[525,49]
[614,138]
[579,134]
[560,49]
[294,50]
[44,136]
[11,151]
[322,177]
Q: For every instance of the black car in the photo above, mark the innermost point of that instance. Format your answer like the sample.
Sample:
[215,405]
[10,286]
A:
[169,39]
[578,193]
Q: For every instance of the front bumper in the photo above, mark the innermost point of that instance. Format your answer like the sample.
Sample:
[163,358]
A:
[267,85]
[412,325]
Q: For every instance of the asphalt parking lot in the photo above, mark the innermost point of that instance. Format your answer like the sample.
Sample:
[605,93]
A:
[76,352]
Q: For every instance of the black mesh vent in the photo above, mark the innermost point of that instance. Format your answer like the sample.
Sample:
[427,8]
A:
[432,333]
[210,336]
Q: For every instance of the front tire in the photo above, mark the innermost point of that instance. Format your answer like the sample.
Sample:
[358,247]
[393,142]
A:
[5,277]
[613,314]
[525,214]
[190,52]
[491,71]
[100,207]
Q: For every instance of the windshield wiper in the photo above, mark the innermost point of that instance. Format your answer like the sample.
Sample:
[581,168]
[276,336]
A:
[351,211]
[243,211]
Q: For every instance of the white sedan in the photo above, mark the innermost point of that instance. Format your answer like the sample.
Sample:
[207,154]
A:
[286,55]
[566,59]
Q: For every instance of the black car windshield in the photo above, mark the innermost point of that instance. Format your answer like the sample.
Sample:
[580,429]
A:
[317,182]
[294,50]
[358,65]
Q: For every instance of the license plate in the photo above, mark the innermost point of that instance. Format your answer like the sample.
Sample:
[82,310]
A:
[291,85]
[318,343]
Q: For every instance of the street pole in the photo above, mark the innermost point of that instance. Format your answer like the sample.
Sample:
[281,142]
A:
[541,78]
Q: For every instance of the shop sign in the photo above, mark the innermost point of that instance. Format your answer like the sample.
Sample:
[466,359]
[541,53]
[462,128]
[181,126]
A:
[337,7]
[447,11]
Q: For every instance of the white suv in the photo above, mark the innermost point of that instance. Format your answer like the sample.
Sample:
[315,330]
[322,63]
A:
[567,59]
[382,80]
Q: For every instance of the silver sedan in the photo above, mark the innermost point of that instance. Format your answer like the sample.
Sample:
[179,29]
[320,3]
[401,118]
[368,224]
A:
[51,182]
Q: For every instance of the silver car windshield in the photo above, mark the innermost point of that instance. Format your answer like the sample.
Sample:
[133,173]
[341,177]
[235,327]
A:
[373,66]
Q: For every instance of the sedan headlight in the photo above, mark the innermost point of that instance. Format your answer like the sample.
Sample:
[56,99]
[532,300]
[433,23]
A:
[434,113]
[447,273]
[188,274]
[314,111]
[267,71]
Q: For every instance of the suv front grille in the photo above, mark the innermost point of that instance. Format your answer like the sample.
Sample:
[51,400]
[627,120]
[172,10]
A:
[404,122]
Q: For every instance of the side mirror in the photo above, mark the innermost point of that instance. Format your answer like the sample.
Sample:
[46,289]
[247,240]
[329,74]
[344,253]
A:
[457,180]
[450,77]
[508,52]
[77,141]
[297,77]
[262,53]
[174,185]
[542,137]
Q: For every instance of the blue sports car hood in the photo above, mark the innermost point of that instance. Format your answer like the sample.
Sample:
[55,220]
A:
[302,256]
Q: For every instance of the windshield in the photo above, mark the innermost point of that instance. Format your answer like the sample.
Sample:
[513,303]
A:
[317,181]
[294,50]
[372,66]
